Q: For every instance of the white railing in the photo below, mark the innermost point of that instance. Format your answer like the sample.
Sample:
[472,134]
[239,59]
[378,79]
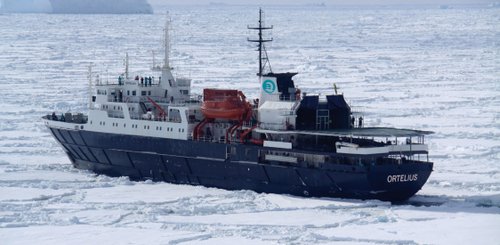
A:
[349,148]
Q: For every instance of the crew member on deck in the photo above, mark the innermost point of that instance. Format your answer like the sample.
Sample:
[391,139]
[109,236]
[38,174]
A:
[360,122]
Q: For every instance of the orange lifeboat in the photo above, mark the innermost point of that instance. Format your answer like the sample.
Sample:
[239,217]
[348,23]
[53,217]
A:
[225,104]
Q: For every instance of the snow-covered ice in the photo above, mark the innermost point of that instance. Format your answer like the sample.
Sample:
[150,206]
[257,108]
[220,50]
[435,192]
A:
[426,68]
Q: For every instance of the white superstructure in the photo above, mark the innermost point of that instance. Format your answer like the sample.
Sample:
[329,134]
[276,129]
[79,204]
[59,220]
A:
[156,105]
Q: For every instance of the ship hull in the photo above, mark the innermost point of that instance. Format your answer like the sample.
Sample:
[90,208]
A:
[235,167]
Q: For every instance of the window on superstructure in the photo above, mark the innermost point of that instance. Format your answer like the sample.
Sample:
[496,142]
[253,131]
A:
[133,93]
[143,93]
[149,92]
[128,92]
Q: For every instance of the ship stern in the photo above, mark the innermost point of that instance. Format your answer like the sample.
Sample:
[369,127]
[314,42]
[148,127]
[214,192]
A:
[398,182]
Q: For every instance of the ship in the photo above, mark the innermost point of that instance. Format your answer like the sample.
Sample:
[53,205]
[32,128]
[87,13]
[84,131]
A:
[153,128]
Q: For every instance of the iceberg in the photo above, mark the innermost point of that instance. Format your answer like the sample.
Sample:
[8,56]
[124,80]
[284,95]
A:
[25,6]
[101,7]
[76,6]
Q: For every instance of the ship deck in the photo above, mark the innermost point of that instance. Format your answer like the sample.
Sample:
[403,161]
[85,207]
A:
[355,132]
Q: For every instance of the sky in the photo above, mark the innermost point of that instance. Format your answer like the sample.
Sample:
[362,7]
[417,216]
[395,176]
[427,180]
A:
[328,2]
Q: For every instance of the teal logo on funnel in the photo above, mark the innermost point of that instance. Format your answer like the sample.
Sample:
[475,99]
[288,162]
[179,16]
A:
[269,86]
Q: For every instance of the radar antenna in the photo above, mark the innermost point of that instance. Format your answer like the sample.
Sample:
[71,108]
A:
[263,58]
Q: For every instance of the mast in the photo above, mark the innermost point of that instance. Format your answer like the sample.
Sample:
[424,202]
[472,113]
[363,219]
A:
[154,60]
[263,58]
[126,65]
[166,62]
[90,86]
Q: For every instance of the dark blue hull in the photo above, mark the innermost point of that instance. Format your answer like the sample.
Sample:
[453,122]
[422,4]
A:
[240,166]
